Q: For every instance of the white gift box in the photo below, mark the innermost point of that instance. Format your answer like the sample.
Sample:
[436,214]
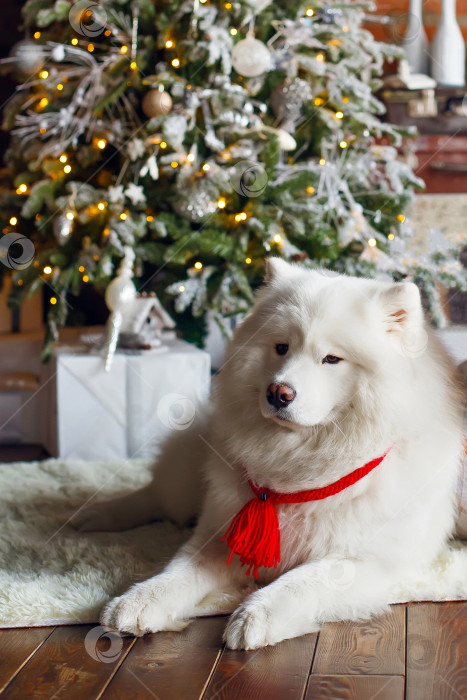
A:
[126,412]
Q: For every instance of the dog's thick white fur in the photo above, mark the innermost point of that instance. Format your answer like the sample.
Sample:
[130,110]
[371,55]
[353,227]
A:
[393,387]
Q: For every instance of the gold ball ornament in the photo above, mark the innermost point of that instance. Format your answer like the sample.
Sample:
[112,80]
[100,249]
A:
[156,103]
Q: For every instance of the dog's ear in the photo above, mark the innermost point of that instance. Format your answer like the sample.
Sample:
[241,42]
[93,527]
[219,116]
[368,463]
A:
[278,269]
[402,306]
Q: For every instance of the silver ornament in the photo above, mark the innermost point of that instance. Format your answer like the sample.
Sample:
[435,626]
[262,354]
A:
[197,205]
[156,103]
[28,55]
[288,100]
[250,57]
[62,228]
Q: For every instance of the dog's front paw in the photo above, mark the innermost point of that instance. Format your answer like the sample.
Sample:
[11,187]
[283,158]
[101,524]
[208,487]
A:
[101,517]
[139,611]
[250,627]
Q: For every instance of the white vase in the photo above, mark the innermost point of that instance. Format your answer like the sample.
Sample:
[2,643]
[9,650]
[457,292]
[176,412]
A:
[448,49]
[414,42]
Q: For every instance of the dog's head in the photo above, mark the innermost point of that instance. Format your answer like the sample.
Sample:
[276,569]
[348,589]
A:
[316,342]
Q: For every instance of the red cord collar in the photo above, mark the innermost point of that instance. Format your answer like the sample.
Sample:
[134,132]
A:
[254,532]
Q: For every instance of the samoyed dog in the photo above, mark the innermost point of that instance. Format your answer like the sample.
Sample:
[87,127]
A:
[324,469]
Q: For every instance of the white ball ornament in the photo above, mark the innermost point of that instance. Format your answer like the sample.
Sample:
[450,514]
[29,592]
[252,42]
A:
[258,5]
[286,140]
[250,57]
[28,56]
[156,103]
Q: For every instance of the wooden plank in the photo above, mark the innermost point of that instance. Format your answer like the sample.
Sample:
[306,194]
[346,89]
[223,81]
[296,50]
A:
[437,651]
[67,666]
[376,646]
[170,665]
[273,673]
[355,688]
[16,648]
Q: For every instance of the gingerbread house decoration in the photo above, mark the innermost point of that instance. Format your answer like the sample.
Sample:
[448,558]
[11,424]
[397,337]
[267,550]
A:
[145,319]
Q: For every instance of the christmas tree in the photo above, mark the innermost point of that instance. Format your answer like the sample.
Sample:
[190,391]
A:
[206,135]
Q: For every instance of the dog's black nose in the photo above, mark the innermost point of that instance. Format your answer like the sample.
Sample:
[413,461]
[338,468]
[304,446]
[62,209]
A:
[280,395]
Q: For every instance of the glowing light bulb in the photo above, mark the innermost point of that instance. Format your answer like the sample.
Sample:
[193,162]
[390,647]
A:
[319,101]
[101,143]
[13,221]
[123,49]
[339,115]
[198,265]
[228,5]
[169,44]
[181,288]
[53,300]
[47,270]
[322,161]
[343,144]
[44,74]
[60,87]
[90,48]
[310,12]
[149,218]
[401,218]
[372,242]
[81,268]
[133,65]
[70,216]
[391,236]
[44,102]
[320,57]
[248,261]
[101,206]
[163,144]
[175,62]
[221,203]
[123,216]
[107,32]
[63,158]
[23,188]
[190,157]
[67,169]
[85,278]
[174,164]
[234,32]
[277,238]
[74,41]
[310,190]
[206,167]
[37,35]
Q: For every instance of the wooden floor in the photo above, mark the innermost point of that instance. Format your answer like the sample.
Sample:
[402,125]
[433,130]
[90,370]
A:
[418,652]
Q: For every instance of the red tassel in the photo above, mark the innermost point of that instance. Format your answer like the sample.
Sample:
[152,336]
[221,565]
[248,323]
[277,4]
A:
[254,532]
[254,535]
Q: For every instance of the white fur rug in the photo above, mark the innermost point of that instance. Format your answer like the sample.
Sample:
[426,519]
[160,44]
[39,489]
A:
[50,574]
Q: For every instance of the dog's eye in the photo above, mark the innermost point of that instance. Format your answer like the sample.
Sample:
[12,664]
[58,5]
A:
[282,348]
[331,360]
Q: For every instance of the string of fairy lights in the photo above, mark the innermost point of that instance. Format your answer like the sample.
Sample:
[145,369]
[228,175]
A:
[100,142]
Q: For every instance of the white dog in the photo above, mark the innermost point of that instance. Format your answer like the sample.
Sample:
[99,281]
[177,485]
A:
[329,376]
